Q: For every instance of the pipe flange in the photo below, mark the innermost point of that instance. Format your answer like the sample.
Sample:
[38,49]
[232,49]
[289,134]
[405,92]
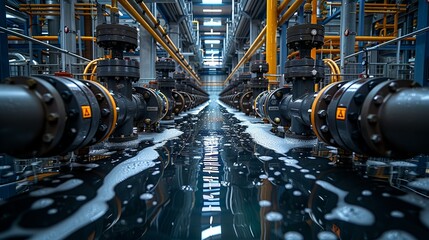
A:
[179,102]
[259,67]
[350,105]
[305,36]
[272,106]
[235,100]
[116,36]
[259,83]
[244,78]
[304,69]
[319,113]
[165,65]
[259,105]
[333,114]
[83,113]
[166,83]
[155,107]
[188,100]
[370,123]
[119,69]
[108,111]
[55,116]
[246,102]
[179,76]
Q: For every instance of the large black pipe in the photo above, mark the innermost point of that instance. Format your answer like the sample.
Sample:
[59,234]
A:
[22,117]
[404,120]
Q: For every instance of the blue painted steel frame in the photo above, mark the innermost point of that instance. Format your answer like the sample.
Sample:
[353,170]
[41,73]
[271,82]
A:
[361,29]
[421,72]
[333,16]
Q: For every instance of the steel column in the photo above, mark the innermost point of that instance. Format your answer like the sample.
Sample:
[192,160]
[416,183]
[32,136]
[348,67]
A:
[361,30]
[254,32]
[271,41]
[347,33]
[283,51]
[4,62]
[147,57]
[68,40]
[422,44]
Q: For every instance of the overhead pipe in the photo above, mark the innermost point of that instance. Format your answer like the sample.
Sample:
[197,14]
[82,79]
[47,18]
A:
[291,10]
[162,30]
[43,43]
[50,38]
[282,6]
[314,21]
[133,12]
[158,26]
[324,50]
[257,44]
[392,40]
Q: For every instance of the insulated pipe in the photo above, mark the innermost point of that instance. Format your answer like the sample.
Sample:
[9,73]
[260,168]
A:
[141,20]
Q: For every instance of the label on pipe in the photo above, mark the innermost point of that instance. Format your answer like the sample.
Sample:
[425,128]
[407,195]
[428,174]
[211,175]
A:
[86,112]
[341,113]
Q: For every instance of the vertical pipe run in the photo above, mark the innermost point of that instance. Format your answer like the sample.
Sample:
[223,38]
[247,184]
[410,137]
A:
[361,30]
[271,41]
[347,34]
[283,51]
[314,21]
[422,55]
[4,62]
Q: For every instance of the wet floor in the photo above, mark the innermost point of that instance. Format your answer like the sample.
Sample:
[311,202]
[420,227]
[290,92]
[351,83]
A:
[206,178]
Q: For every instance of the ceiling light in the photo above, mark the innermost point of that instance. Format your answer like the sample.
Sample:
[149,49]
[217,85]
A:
[9,15]
[212,10]
[211,33]
[212,1]
[212,51]
[212,41]
[212,23]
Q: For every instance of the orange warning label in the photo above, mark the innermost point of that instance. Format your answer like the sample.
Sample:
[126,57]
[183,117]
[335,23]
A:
[341,113]
[86,112]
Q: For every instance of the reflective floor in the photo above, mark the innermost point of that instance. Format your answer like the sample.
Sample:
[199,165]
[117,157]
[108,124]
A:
[206,178]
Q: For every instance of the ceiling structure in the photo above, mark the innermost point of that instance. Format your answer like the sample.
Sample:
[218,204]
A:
[213,16]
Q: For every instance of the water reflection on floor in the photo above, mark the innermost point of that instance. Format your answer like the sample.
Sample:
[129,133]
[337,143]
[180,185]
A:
[213,182]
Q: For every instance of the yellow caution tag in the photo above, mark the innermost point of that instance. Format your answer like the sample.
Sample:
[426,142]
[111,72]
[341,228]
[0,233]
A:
[86,112]
[341,113]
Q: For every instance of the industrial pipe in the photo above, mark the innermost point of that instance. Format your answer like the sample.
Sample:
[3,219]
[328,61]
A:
[50,38]
[43,43]
[282,6]
[271,40]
